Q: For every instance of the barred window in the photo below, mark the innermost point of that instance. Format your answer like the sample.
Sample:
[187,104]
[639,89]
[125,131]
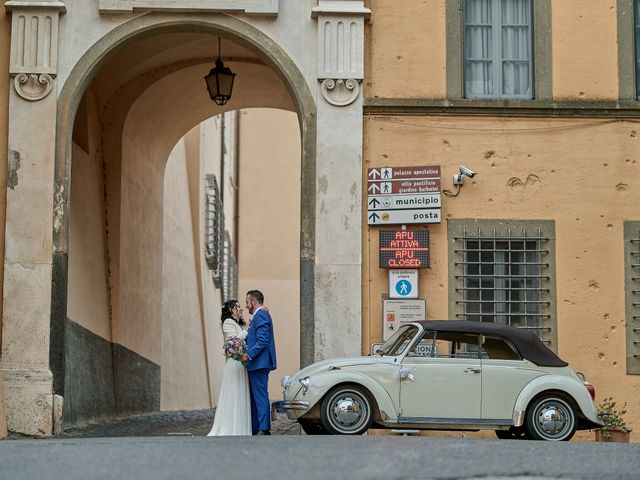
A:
[632,289]
[637,44]
[502,273]
[213,229]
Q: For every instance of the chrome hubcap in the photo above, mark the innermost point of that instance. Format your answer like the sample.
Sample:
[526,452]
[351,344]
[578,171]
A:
[349,411]
[554,419]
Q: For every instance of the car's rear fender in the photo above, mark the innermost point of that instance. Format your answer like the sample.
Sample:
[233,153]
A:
[556,383]
[323,382]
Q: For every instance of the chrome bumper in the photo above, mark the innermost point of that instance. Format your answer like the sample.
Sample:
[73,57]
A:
[284,406]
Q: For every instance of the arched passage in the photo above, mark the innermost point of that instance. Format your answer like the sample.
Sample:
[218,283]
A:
[126,106]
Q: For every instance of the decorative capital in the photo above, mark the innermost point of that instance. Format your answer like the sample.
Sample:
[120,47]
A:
[340,92]
[33,86]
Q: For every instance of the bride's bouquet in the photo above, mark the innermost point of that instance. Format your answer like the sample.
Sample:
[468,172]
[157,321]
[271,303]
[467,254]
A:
[235,348]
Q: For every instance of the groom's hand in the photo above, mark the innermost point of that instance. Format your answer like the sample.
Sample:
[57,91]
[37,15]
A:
[244,358]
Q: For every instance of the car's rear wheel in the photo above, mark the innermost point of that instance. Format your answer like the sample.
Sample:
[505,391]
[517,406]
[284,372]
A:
[514,433]
[312,427]
[551,418]
[346,410]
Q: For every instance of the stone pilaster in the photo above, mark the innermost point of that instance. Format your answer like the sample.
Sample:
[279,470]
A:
[28,236]
[338,278]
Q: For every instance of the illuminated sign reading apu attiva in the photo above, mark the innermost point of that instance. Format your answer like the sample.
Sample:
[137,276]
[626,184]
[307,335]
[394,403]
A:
[404,249]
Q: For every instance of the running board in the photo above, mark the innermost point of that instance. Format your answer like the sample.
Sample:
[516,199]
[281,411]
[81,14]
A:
[452,423]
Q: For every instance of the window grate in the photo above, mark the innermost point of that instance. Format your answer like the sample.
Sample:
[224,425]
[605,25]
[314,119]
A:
[637,45]
[633,293]
[505,279]
[214,229]
[230,269]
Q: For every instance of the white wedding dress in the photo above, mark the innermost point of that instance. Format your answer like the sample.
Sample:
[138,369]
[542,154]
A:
[233,414]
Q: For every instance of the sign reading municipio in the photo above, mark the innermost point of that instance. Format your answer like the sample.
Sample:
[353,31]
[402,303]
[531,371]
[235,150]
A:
[404,249]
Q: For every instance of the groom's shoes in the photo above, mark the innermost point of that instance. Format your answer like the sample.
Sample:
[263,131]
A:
[264,432]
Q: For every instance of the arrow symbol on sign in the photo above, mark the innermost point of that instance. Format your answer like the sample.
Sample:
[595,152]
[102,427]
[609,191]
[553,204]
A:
[374,216]
[374,188]
[374,202]
[374,174]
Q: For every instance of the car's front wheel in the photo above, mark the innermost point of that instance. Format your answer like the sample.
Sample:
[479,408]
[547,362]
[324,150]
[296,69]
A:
[346,410]
[551,418]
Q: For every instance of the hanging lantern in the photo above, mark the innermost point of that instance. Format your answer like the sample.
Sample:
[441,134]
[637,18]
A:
[220,81]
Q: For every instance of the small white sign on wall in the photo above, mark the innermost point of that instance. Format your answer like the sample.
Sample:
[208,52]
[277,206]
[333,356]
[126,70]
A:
[397,312]
[403,283]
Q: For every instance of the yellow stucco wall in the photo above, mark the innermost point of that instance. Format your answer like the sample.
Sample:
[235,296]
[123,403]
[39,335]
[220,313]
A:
[406,53]
[582,173]
[585,57]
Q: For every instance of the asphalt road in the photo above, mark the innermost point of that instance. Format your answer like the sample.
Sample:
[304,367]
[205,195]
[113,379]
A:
[313,457]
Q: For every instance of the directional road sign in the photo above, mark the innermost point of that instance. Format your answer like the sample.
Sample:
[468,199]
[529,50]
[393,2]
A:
[404,187]
[404,217]
[403,195]
[403,202]
[403,173]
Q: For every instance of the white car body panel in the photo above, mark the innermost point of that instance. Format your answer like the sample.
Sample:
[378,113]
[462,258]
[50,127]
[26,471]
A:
[502,382]
[443,388]
[568,384]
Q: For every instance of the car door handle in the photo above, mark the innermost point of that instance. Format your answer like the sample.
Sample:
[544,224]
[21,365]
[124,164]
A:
[471,370]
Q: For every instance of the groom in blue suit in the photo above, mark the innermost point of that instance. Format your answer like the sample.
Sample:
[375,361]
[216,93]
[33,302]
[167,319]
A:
[261,355]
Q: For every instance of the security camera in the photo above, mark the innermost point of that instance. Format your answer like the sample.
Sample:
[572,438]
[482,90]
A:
[458,178]
[467,171]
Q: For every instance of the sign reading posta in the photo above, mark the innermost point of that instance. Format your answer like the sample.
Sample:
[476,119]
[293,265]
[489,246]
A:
[404,249]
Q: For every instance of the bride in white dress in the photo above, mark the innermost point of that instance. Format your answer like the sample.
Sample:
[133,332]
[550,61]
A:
[233,414]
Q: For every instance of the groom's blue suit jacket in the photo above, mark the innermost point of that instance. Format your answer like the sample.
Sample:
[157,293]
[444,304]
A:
[261,346]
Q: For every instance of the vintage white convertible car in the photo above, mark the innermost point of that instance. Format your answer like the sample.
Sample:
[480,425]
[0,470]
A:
[445,375]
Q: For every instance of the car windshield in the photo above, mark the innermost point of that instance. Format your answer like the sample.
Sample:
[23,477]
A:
[400,340]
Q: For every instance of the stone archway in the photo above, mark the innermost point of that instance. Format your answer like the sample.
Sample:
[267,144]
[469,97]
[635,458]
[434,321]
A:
[177,125]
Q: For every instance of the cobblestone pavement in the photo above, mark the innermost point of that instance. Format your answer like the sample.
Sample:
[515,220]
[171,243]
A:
[187,423]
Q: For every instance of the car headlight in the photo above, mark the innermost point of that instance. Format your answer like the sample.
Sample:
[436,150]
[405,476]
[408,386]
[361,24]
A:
[305,382]
[285,382]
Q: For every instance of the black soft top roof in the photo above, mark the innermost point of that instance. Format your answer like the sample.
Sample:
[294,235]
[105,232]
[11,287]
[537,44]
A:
[526,342]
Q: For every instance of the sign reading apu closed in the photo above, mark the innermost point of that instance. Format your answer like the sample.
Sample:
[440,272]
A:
[404,249]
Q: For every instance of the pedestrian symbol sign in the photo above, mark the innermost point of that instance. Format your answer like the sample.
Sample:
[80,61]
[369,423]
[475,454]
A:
[403,287]
[403,283]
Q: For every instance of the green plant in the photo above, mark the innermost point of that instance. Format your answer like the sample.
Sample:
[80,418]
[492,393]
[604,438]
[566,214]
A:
[612,417]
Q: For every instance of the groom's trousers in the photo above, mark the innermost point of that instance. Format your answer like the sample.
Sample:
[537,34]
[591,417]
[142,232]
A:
[260,406]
